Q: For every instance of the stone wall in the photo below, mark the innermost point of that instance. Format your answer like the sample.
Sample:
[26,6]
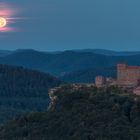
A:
[128,75]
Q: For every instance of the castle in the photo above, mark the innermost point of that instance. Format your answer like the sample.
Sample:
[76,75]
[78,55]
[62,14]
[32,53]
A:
[128,76]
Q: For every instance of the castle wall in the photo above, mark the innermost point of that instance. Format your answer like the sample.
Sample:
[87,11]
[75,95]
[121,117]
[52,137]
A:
[128,75]
[99,81]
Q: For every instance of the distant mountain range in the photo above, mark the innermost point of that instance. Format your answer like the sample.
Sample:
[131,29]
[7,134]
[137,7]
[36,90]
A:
[5,52]
[64,63]
[110,52]
[97,51]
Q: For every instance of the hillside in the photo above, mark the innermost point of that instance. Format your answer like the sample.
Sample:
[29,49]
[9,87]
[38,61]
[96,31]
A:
[65,62]
[70,66]
[88,76]
[109,52]
[5,52]
[23,90]
[84,114]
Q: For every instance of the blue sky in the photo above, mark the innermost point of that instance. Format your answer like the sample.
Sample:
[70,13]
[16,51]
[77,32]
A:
[75,24]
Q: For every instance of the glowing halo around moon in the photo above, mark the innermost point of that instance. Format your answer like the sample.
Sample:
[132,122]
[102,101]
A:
[3,22]
[8,17]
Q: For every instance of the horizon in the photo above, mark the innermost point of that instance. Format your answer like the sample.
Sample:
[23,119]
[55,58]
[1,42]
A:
[63,50]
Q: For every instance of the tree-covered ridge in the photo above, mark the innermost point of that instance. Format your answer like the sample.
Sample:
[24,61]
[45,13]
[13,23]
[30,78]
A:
[21,82]
[60,63]
[23,90]
[84,114]
[88,75]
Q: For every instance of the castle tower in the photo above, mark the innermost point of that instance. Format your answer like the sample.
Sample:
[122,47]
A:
[121,73]
[99,81]
[128,76]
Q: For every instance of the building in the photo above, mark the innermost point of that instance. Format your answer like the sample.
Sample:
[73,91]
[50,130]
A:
[128,76]
[137,91]
[110,81]
[99,81]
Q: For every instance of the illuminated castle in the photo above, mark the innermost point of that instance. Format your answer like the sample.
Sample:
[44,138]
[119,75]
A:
[99,81]
[128,76]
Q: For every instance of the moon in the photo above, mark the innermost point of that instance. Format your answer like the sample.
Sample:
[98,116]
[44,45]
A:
[3,22]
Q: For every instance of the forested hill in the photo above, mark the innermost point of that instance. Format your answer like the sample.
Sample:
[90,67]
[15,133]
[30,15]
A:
[65,62]
[23,90]
[85,114]
[88,76]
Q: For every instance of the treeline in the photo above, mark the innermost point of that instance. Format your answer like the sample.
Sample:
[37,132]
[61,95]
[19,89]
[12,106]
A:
[85,114]
[23,90]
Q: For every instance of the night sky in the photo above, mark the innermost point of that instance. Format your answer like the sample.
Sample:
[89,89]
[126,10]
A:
[73,24]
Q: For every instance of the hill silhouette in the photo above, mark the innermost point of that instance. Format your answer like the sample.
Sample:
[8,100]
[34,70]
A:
[67,61]
[71,66]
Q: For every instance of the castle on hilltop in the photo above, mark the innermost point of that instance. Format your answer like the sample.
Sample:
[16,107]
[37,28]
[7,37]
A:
[128,77]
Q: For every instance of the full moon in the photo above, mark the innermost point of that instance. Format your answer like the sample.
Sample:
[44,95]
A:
[3,22]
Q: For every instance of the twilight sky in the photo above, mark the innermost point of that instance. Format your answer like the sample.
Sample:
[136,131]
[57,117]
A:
[73,24]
